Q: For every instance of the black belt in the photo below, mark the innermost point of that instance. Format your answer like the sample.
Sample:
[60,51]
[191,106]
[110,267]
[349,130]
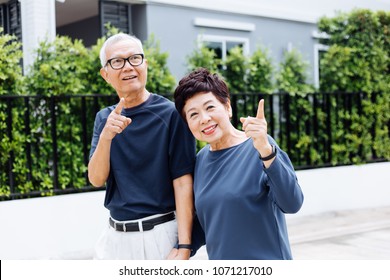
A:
[146,224]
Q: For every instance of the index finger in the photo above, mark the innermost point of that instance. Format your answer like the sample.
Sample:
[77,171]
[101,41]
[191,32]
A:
[260,110]
[120,106]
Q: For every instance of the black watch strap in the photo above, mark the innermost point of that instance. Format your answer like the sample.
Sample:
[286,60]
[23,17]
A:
[271,156]
[184,246]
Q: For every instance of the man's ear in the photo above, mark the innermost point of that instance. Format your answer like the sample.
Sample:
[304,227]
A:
[104,75]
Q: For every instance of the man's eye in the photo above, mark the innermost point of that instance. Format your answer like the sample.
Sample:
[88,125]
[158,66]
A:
[135,58]
[117,60]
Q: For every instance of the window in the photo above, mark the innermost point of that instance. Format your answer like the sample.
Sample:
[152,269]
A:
[116,13]
[222,44]
[319,50]
[10,18]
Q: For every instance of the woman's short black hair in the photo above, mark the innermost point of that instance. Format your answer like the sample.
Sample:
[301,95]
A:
[200,81]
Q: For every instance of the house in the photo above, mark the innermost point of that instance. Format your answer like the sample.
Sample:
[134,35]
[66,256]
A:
[179,25]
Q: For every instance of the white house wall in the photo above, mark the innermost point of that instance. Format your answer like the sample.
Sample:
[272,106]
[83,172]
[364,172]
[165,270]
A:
[296,10]
[177,30]
[38,24]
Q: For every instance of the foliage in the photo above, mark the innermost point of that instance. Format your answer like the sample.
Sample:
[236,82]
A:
[259,75]
[11,77]
[46,130]
[358,61]
[292,76]
[292,79]
[160,80]
[11,80]
[235,70]
[203,57]
[260,72]
[60,68]
[96,84]
[43,136]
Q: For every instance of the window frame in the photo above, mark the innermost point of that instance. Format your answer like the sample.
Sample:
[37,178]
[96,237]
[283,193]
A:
[202,38]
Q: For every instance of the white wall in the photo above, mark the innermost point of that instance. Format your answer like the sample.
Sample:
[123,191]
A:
[346,187]
[299,10]
[67,226]
[38,24]
[58,227]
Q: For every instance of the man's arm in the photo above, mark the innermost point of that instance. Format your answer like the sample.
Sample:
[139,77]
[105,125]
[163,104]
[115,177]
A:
[99,164]
[183,188]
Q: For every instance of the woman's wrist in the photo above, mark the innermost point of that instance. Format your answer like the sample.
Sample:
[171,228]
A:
[184,246]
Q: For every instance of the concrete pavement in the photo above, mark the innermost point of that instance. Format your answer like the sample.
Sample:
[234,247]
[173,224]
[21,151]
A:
[362,234]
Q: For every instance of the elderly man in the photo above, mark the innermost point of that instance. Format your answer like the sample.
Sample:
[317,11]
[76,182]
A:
[144,153]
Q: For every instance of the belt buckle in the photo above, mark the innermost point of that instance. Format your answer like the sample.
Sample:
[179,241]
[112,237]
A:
[124,227]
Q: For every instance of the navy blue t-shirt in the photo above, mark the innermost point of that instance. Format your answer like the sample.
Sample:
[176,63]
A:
[156,148]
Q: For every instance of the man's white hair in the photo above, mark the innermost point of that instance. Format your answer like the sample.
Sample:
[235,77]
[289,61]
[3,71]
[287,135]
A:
[114,39]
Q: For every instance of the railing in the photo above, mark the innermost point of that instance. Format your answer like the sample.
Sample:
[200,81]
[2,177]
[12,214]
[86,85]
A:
[45,141]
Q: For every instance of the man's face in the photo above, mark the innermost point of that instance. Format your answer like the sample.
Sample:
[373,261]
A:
[130,79]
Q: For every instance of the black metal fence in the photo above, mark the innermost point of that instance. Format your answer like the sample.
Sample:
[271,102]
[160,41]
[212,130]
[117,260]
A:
[45,141]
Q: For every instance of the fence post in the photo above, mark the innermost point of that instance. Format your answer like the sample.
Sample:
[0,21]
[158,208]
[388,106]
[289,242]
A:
[27,131]
[288,122]
[234,109]
[328,126]
[85,138]
[54,137]
[11,156]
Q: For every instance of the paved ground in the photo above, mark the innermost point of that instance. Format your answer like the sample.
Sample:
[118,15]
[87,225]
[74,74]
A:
[362,234]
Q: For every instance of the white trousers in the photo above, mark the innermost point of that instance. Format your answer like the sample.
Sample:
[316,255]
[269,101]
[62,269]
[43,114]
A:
[153,244]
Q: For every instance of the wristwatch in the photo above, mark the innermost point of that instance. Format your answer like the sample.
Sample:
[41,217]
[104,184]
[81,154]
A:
[271,156]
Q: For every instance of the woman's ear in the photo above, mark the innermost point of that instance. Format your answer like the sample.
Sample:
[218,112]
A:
[229,109]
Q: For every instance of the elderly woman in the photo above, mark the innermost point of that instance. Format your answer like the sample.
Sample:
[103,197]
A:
[243,182]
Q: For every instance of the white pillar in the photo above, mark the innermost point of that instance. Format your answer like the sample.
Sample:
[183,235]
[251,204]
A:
[38,24]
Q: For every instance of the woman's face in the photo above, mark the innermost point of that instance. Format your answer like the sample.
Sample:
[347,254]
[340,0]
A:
[208,119]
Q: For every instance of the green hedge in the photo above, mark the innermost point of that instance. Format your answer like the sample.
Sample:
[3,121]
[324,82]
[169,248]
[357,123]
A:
[357,62]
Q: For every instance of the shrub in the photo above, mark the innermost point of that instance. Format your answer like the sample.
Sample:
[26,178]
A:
[358,61]
[11,114]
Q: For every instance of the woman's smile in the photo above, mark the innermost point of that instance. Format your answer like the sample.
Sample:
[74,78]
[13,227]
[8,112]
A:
[210,129]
